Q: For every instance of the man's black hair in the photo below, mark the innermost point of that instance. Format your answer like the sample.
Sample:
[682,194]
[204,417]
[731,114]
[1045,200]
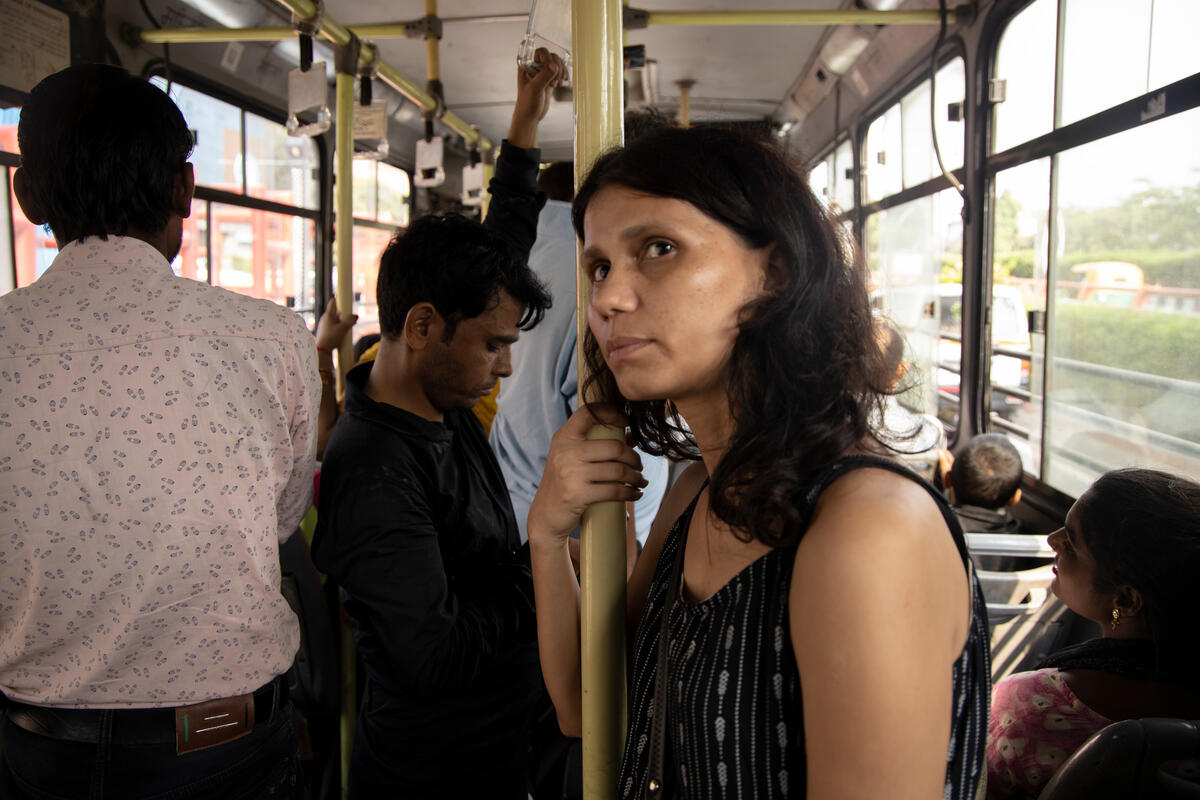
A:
[460,267]
[986,472]
[558,181]
[102,150]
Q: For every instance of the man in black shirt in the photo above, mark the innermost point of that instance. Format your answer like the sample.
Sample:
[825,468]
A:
[414,517]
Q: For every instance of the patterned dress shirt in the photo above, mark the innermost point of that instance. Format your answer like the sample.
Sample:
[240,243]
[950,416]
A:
[156,444]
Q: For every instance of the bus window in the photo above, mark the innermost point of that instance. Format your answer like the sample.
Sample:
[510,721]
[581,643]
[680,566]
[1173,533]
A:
[265,255]
[217,158]
[1019,265]
[1111,257]
[914,252]
[8,267]
[395,192]
[843,176]
[382,196]
[365,206]
[33,245]
[920,162]
[818,180]
[279,167]
[1025,62]
[1123,367]
[193,252]
[884,155]
[1114,50]
[369,242]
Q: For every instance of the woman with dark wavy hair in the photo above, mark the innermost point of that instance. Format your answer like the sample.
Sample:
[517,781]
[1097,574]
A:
[1126,558]
[803,617]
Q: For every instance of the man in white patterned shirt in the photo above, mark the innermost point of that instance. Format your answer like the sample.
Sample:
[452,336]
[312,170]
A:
[156,445]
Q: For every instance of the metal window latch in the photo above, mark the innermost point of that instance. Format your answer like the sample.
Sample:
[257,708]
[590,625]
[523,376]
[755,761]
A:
[997,90]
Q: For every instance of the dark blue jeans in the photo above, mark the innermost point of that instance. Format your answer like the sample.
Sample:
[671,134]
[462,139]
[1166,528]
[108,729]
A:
[263,764]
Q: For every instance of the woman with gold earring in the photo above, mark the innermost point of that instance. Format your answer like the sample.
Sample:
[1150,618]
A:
[1128,554]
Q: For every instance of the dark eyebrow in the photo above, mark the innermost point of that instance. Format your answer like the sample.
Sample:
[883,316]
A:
[635,232]
[503,339]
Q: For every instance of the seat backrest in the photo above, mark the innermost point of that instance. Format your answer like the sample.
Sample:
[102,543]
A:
[1123,762]
[1011,592]
[313,677]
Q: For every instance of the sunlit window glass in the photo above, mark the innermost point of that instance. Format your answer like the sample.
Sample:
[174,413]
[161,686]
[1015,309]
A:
[918,141]
[364,189]
[1020,249]
[8,274]
[951,88]
[843,176]
[192,261]
[884,156]
[1025,62]
[1125,325]
[279,167]
[262,254]
[369,243]
[1173,51]
[218,127]
[33,245]
[818,180]
[9,117]
[394,192]
[914,252]
[1114,50]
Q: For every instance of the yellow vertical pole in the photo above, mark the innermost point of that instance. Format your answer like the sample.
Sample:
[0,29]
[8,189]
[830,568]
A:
[344,239]
[685,102]
[596,39]
[433,62]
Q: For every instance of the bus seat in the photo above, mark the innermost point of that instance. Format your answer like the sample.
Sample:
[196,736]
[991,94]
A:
[1017,545]
[1011,592]
[1123,761]
[313,680]
[314,675]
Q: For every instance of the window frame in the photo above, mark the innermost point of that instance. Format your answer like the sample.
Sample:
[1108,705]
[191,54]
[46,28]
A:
[1177,97]
[951,48]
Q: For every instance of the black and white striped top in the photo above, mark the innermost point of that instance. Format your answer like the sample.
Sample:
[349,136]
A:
[735,717]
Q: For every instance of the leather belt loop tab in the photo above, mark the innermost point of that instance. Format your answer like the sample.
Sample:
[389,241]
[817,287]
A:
[213,722]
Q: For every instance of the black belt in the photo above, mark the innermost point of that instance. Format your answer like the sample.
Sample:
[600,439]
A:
[128,725]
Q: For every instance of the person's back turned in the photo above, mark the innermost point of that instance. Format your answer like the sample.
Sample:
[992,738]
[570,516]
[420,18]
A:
[158,445]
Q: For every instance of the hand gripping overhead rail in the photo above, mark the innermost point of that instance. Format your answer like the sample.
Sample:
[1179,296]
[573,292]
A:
[339,35]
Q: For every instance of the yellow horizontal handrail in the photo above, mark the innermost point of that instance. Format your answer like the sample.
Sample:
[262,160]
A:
[336,33]
[847,17]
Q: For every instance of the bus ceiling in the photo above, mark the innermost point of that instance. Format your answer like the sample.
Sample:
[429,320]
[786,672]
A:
[736,77]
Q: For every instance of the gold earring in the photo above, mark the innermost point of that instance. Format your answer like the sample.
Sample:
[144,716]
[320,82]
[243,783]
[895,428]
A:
[1116,618]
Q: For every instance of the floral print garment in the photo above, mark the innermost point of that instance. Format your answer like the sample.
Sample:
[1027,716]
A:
[1037,722]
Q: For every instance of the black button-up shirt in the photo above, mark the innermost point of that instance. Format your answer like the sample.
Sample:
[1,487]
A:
[416,526]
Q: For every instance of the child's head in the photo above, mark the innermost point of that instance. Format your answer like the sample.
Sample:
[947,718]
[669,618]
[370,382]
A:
[986,472]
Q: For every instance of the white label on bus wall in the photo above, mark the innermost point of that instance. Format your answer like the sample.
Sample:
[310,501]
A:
[37,43]
[1155,107]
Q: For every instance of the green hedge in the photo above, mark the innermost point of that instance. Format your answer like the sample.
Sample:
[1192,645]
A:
[1151,342]
[1129,338]
[1162,268]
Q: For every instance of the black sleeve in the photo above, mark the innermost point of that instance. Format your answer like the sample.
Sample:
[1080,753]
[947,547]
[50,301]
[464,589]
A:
[516,202]
[383,550]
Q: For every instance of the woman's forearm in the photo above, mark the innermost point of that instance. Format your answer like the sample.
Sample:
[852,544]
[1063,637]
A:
[556,596]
